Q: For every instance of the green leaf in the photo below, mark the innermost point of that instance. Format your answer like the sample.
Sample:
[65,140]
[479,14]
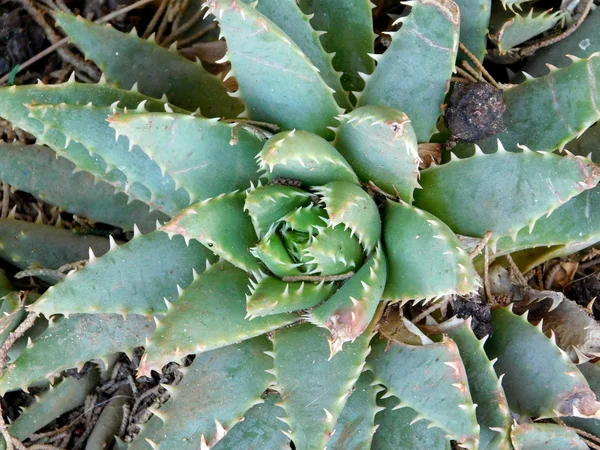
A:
[108,425]
[216,391]
[396,430]
[430,379]
[196,152]
[539,378]
[35,169]
[510,30]
[61,398]
[126,59]
[277,81]
[273,296]
[413,74]
[381,146]
[12,313]
[492,411]
[260,429]
[266,205]
[582,43]
[222,226]
[588,144]
[348,205]
[545,113]
[72,341]
[425,258]
[465,195]
[300,155]
[348,27]
[209,314]
[572,227]
[474,24]
[534,436]
[356,424]
[131,278]
[349,311]
[87,126]
[13,103]
[313,402]
[27,244]
[287,15]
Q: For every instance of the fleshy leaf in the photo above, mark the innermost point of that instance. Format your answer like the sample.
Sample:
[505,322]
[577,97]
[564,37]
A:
[268,204]
[419,60]
[209,314]
[397,430]
[132,278]
[333,252]
[12,313]
[5,286]
[288,16]
[61,398]
[545,113]
[534,436]
[12,107]
[551,180]
[87,126]
[274,255]
[492,411]
[72,341]
[34,169]
[572,227]
[28,244]
[356,425]
[349,311]
[222,226]
[300,155]
[430,379]
[539,378]
[273,296]
[381,146]
[277,81]
[348,27]
[348,205]
[260,429]
[425,258]
[512,31]
[194,151]
[313,402]
[216,391]
[107,427]
[127,59]
[474,24]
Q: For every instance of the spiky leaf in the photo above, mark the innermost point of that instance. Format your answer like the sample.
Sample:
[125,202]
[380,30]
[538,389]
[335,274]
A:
[288,16]
[430,379]
[348,36]
[132,278]
[448,190]
[209,314]
[545,113]
[313,402]
[425,258]
[539,379]
[277,81]
[5,286]
[196,152]
[215,393]
[300,155]
[381,146]
[127,59]
[222,226]
[87,126]
[533,436]
[61,398]
[26,167]
[69,342]
[420,60]
[474,24]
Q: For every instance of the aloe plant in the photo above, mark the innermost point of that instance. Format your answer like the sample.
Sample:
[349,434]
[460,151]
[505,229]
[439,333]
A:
[291,219]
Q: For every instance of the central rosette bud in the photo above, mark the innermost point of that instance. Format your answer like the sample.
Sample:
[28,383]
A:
[296,234]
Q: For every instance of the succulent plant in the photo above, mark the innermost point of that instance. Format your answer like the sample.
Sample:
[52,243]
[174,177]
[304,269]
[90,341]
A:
[293,225]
